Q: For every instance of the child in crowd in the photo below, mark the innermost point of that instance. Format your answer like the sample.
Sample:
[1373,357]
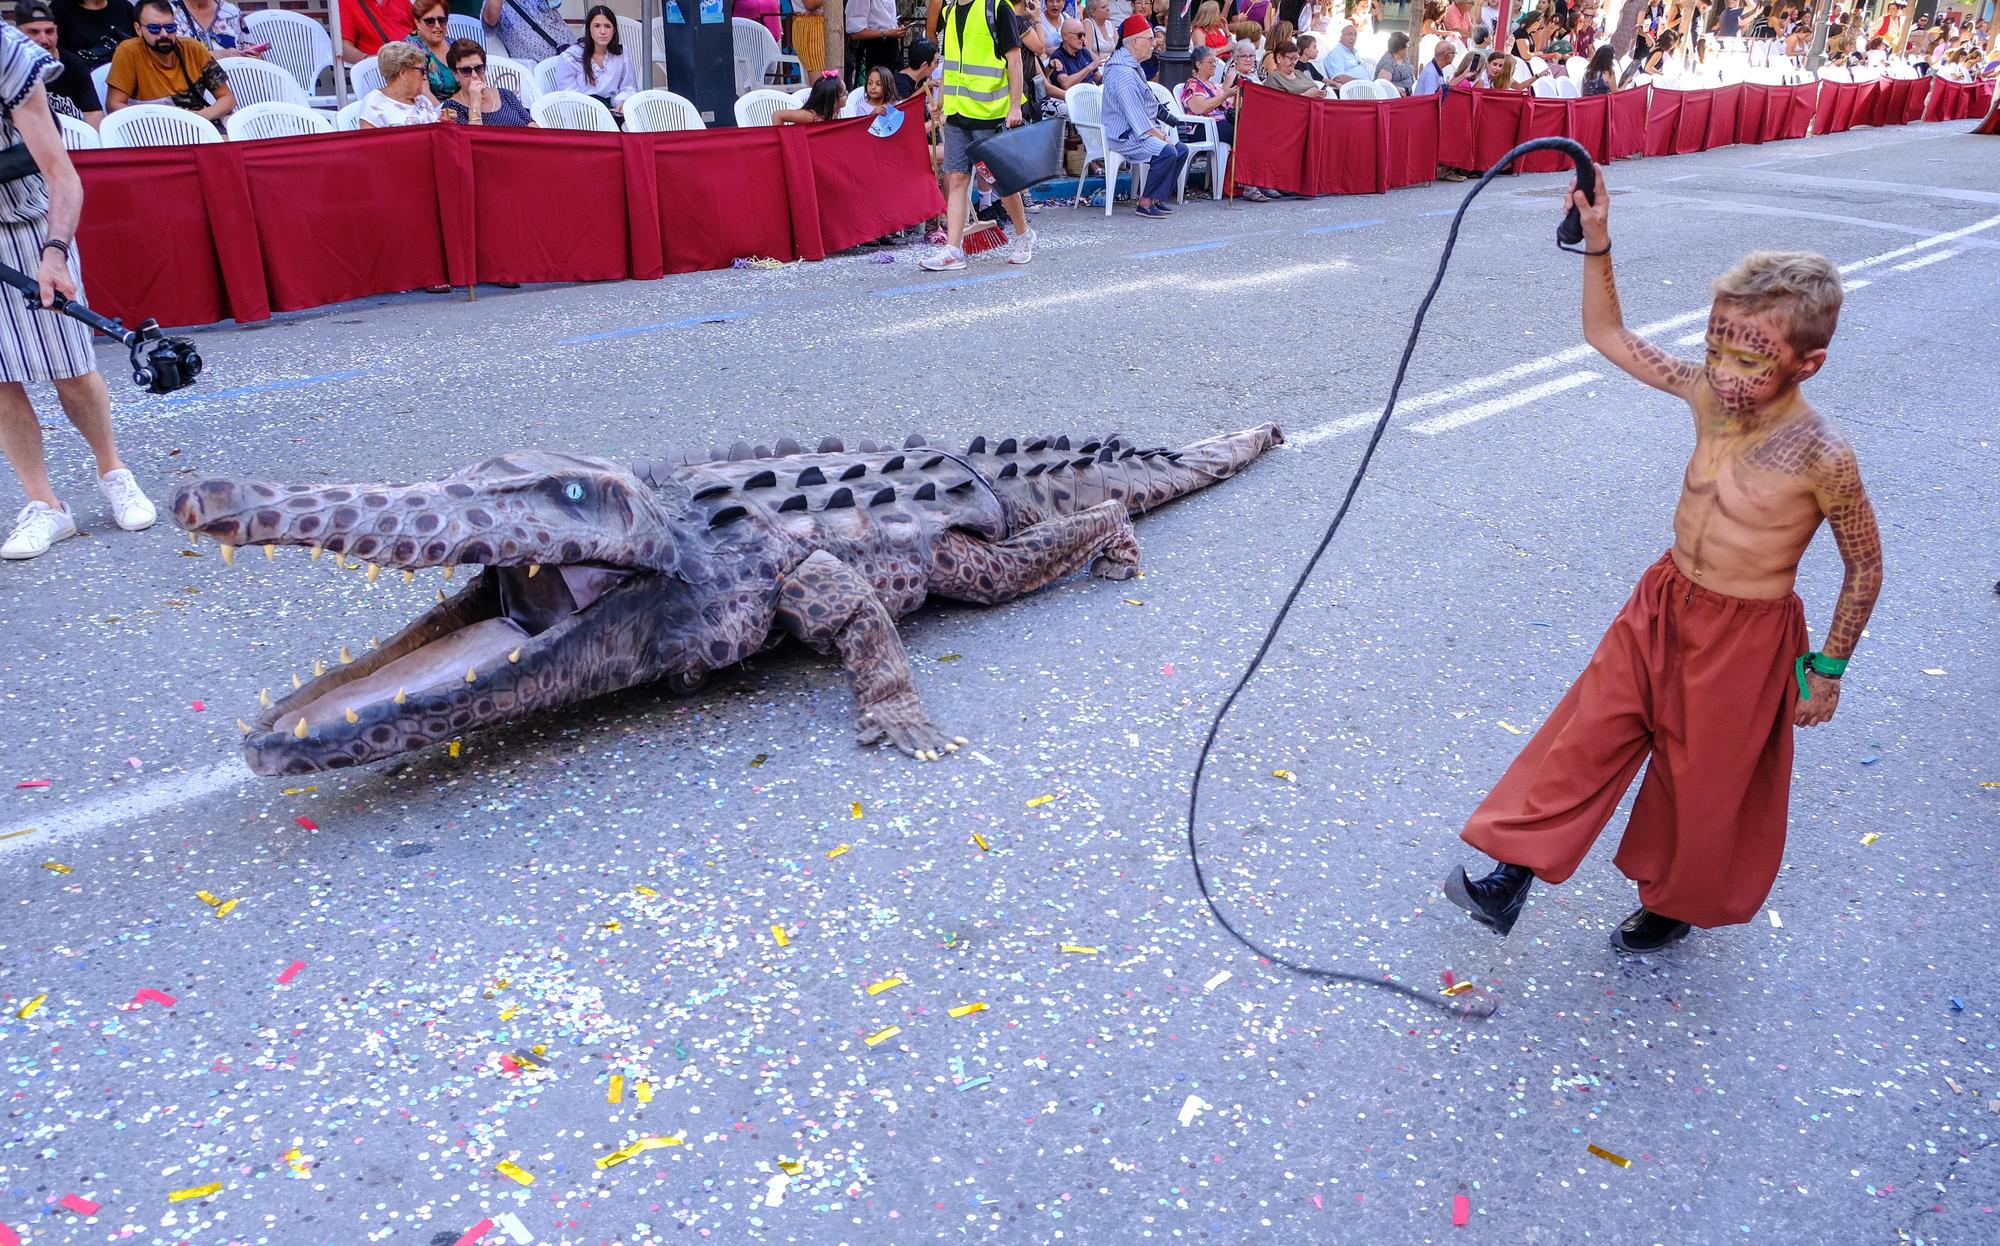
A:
[823,103]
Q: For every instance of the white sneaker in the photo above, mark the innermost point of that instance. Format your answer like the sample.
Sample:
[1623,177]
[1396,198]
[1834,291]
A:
[1024,248]
[129,504]
[945,260]
[37,527]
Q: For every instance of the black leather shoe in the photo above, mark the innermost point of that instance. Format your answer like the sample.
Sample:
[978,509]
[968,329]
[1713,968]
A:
[1647,931]
[1495,900]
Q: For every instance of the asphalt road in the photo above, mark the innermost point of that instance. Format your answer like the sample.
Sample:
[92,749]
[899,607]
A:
[480,960]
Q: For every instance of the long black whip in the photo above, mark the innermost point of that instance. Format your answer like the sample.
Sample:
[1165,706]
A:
[1477,1004]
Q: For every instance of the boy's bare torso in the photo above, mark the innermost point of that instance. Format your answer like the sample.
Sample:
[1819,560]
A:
[1749,501]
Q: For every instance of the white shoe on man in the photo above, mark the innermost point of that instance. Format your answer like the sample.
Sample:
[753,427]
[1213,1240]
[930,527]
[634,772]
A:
[1024,248]
[37,527]
[129,504]
[943,260]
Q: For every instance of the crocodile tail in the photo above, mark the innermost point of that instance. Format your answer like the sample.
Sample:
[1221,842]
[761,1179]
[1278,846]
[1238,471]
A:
[1044,479]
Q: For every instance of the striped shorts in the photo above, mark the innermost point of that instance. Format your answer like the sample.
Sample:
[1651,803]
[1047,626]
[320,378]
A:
[38,345]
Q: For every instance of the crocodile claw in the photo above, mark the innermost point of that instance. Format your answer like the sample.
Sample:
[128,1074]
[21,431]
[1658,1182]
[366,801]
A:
[902,722]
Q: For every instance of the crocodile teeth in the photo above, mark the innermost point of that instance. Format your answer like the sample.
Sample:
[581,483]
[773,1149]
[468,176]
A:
[300,730]
[228,553]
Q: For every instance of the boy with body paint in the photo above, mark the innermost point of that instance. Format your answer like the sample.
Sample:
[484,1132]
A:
[1706,669]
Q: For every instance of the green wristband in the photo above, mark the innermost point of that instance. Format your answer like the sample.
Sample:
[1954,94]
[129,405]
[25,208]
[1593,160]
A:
[1820,664]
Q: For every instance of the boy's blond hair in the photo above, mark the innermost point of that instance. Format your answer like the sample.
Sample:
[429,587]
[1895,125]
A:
[1801,287]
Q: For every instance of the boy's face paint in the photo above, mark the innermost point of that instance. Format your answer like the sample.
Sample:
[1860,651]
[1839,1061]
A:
[1749,361]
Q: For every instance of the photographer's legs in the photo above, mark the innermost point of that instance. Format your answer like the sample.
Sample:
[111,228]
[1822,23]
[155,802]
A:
[88,404]
[21,441]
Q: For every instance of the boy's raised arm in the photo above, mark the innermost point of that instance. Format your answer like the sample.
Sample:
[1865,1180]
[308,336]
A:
[1603,323]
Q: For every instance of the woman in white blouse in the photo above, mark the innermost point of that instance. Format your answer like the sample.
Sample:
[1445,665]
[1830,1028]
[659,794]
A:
[404,98]
[598,66]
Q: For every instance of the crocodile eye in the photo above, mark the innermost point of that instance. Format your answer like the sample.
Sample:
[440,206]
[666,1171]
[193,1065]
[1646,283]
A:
[573,491]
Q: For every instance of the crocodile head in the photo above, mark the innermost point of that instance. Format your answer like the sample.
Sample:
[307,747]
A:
[579,577]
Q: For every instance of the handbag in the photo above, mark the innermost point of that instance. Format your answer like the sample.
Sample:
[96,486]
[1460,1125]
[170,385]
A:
[558,48]
[1024,156]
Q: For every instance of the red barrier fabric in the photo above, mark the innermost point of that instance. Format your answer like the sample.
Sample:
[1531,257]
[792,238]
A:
[1628,124]
[238,230]
[1842,106]
[1334,147]
[1956,101]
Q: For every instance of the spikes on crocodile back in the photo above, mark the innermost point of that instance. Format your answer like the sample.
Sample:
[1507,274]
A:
[913,441]
[741,451]
[976,447]
[831,445]
[787,447]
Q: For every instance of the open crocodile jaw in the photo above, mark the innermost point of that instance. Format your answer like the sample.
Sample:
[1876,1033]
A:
[517,638]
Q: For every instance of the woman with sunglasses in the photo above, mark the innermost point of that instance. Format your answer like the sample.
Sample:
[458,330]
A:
[433,39]
[478,101]
[598,66]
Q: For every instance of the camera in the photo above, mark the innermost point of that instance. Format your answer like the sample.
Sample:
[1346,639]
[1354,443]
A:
[162,364]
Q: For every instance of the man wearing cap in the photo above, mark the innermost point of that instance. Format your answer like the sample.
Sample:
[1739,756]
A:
[72,92]
[1132,125]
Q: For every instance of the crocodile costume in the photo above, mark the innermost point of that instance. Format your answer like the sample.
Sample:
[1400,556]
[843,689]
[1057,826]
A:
[600,575]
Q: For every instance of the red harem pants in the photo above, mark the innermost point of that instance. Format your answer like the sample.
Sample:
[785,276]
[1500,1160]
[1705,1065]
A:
[1703,684]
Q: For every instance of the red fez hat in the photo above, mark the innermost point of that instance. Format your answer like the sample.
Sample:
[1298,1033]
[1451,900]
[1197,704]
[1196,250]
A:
[1135,25]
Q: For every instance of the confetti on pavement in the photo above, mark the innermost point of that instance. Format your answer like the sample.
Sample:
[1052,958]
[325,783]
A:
[1608,1156]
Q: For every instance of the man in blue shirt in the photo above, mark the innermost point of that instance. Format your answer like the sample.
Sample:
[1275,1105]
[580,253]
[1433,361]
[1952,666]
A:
[1132,125]
[1343,63]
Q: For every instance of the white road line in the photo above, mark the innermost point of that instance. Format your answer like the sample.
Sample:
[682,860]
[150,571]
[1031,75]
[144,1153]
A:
[87,816]
[1859,283]
[1507,402]
[1452,393]
[1689,339]
[1924,245]
[1925,261]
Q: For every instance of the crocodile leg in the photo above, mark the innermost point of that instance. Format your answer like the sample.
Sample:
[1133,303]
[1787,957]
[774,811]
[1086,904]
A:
[969,568]
[831,606]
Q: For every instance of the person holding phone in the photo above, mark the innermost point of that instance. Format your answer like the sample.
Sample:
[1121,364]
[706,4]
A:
[216,25]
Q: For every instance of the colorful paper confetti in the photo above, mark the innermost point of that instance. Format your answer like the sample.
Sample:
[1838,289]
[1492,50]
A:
[842,850]
[783,939]
[514,1172]
[876,988]
[30,1008]
[1039,801]
[1217,980]
[290,971]
[306,822]
[883,1036]
[78,1204]
[1869,839]
[966,1010]
[634,1148]
[195,1191]
[854,810]
[57,867]
[226,908]
[1079,949]
[1608,1156]
[1510,727]
[472,1235]
[147,995]
[980,841]
[1286,775]
[615,1093]
[1461,1211]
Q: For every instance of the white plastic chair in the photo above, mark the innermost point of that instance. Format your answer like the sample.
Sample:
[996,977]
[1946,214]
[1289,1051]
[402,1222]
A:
[756,51]
[299,45]
[1835,73]
[1372,47]
[545,74]
[857,103]
[1425,47]
[1086,113]
[1577,67]
[254,82]
[1212,145]
[363,76]
[98,77]
[465,26]
[572,110]
[1546,89]
[516,77]
[1357,89]
[156,125]
[348,118]
[276,119]
[78,135]
[757,107]
[799,95]
[1568,89]
[656,112]
[1522,73]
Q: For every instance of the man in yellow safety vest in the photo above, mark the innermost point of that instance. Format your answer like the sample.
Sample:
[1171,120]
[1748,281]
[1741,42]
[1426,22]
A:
[983,91]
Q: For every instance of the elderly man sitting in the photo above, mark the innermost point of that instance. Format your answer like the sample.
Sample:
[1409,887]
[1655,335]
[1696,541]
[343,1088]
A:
[1132,127]
[1343,63]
